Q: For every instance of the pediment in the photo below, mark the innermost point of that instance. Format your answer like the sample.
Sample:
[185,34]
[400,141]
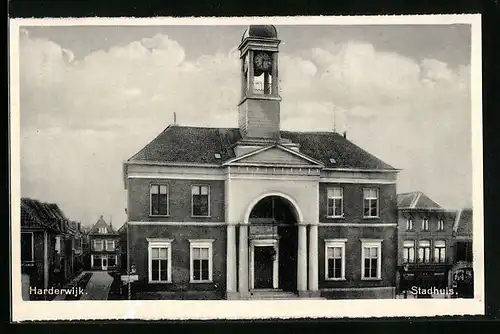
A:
[275,155]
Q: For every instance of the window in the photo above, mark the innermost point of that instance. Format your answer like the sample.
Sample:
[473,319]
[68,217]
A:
[159,200]
[370,206]
[409,251]
[96,260]
[58,244]
[160,264]
[425,224]
[200,200]
[371,259]
[98,245]
[201,261]
[112,260]
[335,259]
[440,225]
[464,251]
[27,254]
[103,230]
[440,251]
[335,206]
[110,245]
[424,250]
[409,224]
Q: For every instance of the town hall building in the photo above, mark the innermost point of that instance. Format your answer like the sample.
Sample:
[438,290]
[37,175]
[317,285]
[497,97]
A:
[258,212]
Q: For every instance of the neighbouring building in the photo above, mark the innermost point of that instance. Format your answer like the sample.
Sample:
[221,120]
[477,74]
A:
[256,211]
[425,234]
[104,246]
[122,231]
[49,246]
[462,274]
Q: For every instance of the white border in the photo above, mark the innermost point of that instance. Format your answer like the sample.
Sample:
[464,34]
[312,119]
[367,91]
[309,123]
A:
[150,310]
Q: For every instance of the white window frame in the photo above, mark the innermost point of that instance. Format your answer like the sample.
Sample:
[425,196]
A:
[371,243]
[116,260]
[32,247]
[201,243]
[328,197]
[440,224]
[192,201]
[406,259]
[370,198]
[103,230]
[151,199]
[421,245]
[101,242]
[338,243]
[160,243]
[443,247]
[113,248]
[425,224]
[409,224]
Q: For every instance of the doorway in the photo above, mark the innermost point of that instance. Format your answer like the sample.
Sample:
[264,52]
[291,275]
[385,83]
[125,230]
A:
[104,262]
[264,264]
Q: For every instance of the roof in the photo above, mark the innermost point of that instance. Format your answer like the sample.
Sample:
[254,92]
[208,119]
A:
[36,214]
[101,223]
[186,144]
[463,223]
[416,200]
[260,31]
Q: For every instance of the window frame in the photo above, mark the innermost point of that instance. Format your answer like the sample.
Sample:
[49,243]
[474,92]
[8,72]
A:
[440,224]
[371,243]
[406,257]
[32,248]
[159,243]
[159,184]
[378,202]
[341,215]
[208,199]
[441,247]
[425,224]
[429,260]
[114,245]
[103,230]
[201,243]
[409,224]
[338,243]
[94,244]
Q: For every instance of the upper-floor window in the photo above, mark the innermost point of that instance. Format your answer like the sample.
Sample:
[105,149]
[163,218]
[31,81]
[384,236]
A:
[27,247]
[440,251]
[424,251]
[371,263]
[159,200]
[200,200]
[335,203]
[335,259]
[440,225]
[370,203]
[201,261]
[409,251]
[103,230]
[464,251]
[110,245]
[98,245]
[425,224]
[409,224]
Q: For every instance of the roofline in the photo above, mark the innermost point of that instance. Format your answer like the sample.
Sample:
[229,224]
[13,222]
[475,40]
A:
[406,208]
[384,170]
[169,163]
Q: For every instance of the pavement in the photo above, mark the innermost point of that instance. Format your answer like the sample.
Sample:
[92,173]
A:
[98,286]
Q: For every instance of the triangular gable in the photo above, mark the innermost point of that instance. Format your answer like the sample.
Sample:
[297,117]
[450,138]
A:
[274,155]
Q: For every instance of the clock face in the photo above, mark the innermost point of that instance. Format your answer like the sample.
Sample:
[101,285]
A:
[262,61]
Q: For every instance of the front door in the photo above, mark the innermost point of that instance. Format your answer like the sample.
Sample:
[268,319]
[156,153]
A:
[104,263]
[263,267]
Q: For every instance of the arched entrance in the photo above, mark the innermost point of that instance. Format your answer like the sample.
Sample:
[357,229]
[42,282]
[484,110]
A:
[273,237]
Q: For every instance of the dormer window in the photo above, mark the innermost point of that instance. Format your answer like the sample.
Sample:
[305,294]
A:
[217,156]
[332,161]
[103,230]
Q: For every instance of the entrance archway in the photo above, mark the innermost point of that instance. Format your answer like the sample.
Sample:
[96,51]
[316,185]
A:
[273,238]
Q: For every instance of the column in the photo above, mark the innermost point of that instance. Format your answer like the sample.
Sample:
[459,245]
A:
[231,259]
[302,259]
[313,257]
[274,76]
[243,259]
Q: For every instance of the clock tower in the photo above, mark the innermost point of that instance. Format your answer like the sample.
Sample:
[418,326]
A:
[259,107]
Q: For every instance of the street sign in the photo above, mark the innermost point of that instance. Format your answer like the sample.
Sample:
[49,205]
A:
[129,278]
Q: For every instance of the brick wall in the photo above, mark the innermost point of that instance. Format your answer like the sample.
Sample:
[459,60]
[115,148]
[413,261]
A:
[180,255]
[179,200]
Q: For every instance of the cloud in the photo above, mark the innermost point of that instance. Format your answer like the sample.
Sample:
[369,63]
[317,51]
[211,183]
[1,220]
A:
[81,118]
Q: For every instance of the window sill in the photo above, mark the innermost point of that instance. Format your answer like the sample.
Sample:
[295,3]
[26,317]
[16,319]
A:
[196,216]
[371,217]
[335,279]
[371,279]
[159,282]
[202,282]
[335,217]
[159,216]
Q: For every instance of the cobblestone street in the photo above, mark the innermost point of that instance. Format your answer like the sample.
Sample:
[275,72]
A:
[98,286]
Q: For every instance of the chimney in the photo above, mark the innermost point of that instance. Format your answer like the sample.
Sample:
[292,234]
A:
[345,134]
[175,118]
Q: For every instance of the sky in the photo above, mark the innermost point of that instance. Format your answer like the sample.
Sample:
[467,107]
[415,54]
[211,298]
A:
[92,96]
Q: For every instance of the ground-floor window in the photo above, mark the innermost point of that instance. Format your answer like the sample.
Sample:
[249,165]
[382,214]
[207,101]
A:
[335,259]
[27,245]
[160,260]
[371,258]
[96,260]
[201,260]
[112,260]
